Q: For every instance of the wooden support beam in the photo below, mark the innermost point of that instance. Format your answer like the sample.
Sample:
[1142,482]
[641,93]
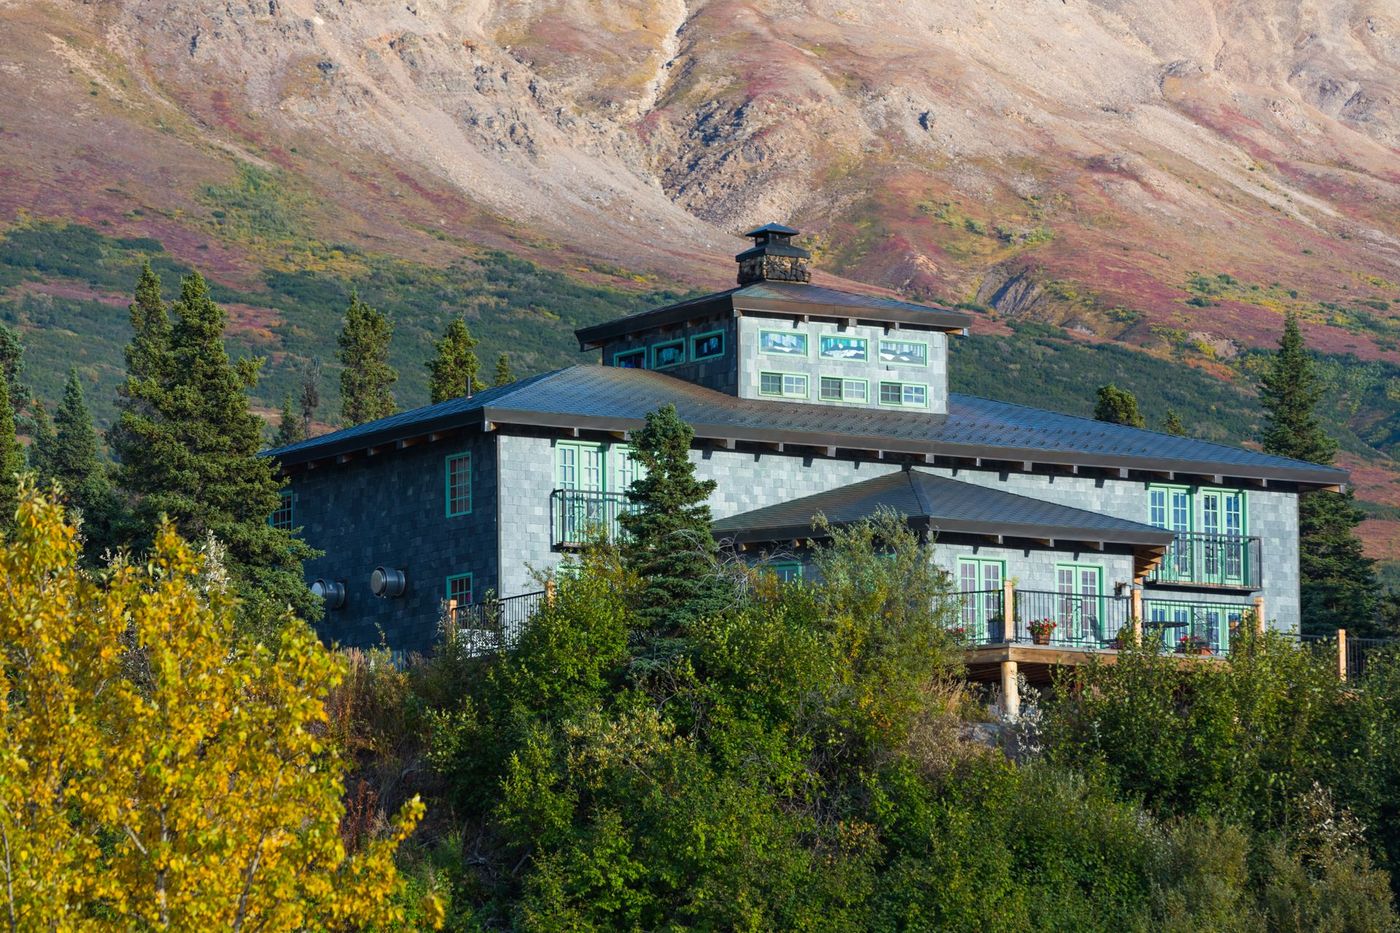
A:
[1008,610]
[345,458]
[1342,654]
[1137,614]
[409,442]
[831,451]
[573,432]
[1122,472]
[1260,622]
[1027,465]
[727,443]
[1010,691]
[488,426]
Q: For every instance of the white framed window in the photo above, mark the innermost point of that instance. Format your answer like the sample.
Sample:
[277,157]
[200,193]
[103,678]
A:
[785,385]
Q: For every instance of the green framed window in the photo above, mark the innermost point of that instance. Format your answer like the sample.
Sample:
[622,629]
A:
[850,349]
[904,352]
[580,465]
[628,469]
[284,516]
[904,394]
[458,589]
[707,346]
[783,385]
[668,354]
[782,343]
[788,571]
[631,359]
[1079,611]
[840,389]
[457,484]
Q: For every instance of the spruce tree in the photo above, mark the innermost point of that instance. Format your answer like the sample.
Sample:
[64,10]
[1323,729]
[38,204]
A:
[1118,406]
[77,466]
[367,381]
[1338,580]
[42,443]
[455,371]
[1173,424]
[11,458]
[310,394]
[289,429]
[504,376]
[188,450]
[668,543]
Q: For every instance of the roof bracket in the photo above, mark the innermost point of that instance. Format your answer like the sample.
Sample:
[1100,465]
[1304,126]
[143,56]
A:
[831,451]
[1027,466]
[1122,472]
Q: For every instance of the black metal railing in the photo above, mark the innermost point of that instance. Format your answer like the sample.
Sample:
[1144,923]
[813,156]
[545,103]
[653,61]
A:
[1194,559]
[1071,620]
[1194,627]
[577,517]
[980,617]
[495,624]
[1359,652]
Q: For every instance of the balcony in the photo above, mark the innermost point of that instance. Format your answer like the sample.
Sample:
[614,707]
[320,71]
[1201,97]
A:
[577,517]
[1224,561]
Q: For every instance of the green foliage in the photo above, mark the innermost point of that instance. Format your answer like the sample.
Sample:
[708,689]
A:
[1118,406]
[504,376]
[367,381]
[188,446]
[1289,392]
[669,544]
[75,463]
[11,457]
[1173,423]
[454,372]
[291,428]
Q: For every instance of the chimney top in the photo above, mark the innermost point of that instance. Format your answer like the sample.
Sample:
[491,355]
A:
[773,258]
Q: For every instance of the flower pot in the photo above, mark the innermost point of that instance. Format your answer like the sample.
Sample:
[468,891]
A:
[1040,638]
[1202,652]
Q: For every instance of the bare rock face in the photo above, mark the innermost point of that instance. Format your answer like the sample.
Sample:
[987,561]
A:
[930,145]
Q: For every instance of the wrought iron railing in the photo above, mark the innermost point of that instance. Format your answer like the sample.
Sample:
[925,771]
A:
[1178,625]
[1195,559]
[1079,621]
[1359,652]
[980,617]
[577,517]
[493,625]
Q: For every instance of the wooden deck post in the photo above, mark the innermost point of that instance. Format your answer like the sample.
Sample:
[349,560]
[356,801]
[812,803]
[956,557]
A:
[1008,612]
[549,592]
[1342,654]
[1259,622]
[1137,615]
[1010,691]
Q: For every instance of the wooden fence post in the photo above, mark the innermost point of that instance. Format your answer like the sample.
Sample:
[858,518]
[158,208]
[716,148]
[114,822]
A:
[1137,615]
[1008,613]
[1342,654]
[1259,623]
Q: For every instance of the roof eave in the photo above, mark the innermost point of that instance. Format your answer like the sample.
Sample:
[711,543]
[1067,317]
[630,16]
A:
[1017,530]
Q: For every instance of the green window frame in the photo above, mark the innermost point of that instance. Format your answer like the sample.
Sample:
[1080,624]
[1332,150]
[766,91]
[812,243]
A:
[787,571]
[843,389]
[457,484]
[904,394]
[640,354]
[284,516]
[695,343]
[587,461]
[891,357]
[844,349]
[783,387]
[658,348]
[783,336]
[459,588]
[981,585]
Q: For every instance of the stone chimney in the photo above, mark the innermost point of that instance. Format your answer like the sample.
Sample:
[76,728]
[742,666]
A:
[773,258]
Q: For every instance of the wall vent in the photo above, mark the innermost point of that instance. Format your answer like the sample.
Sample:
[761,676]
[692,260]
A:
[387,583]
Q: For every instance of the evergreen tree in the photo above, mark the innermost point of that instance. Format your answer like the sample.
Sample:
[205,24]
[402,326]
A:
[11,458]
[1338,580]
[148,354]
[367,381]
[1118,406]
[1173,424]
[504,376]
[310,394]
[41,446]
[669,544]
[455,371]
[289,429]
[76,465]
[188,450]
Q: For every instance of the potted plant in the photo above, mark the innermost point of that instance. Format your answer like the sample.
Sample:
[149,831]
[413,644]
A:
[959,633]
[1041,630]
[1193,644]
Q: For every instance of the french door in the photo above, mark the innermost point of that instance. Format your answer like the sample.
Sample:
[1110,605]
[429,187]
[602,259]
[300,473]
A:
[1222,521]
[1080,606]
[579,473]
[980,583]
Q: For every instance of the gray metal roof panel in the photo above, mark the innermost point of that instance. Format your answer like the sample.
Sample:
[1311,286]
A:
[946,504]
[613,398]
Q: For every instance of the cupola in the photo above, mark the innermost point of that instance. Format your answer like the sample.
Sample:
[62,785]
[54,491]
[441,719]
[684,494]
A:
[773,257]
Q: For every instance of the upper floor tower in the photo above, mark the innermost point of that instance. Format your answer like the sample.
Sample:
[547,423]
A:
[777,336]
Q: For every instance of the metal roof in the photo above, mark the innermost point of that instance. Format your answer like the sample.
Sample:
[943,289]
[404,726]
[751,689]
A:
[783,298]
[943,506]
[606,398]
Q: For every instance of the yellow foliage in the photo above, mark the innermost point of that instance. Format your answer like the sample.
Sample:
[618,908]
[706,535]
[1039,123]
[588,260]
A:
[155,773]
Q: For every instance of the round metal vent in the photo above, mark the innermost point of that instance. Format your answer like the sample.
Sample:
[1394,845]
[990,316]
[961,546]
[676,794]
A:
[331,592]
[387,583]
